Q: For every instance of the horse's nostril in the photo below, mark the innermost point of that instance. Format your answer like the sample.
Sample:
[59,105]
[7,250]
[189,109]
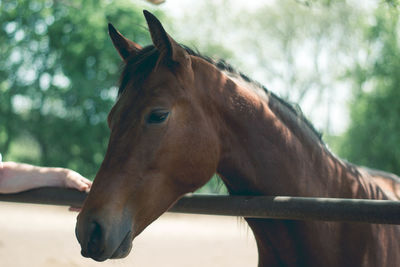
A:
[95,239]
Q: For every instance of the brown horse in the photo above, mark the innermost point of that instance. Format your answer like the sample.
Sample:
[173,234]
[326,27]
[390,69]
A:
[180,118]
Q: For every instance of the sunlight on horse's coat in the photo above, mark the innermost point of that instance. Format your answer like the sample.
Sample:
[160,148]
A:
[181,117]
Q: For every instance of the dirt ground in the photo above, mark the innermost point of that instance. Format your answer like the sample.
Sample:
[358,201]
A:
[43,236]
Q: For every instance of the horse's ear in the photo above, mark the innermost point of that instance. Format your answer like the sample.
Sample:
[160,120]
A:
[168,48]
[124,46]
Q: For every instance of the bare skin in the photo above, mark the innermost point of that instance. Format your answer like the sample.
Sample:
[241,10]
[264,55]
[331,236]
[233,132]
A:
[18,177]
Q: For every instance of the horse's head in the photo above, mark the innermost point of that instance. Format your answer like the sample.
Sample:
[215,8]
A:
[161,146]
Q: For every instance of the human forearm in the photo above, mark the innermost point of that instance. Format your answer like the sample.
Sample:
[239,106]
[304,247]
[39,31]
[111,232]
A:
[17,177]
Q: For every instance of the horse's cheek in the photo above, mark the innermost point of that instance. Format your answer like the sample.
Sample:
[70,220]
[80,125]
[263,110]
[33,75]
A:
[200,159]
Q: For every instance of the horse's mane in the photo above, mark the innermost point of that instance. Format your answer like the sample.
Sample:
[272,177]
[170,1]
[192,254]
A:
[139,66]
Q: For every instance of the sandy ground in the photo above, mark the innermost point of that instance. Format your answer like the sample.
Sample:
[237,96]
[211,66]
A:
[41,235]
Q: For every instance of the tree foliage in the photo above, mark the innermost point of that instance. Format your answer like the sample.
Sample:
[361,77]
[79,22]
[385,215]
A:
[58,72]
[373,137]
[296,50]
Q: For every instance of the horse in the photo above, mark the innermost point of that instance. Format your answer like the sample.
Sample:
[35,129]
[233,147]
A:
[181,117]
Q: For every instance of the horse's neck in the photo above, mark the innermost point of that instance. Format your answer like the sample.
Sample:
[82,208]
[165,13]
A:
[267,150]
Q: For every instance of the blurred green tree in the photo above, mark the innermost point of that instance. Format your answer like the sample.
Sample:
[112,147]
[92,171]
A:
[292,48]
[58,78]
[373,137]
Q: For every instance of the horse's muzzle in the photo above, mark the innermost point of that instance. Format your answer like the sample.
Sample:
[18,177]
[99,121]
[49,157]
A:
[101,241]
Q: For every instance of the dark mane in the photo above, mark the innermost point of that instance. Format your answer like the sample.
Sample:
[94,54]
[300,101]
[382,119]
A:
[139,67]
[224,66]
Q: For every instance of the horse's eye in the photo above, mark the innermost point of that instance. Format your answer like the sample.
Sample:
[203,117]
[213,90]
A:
[157,116]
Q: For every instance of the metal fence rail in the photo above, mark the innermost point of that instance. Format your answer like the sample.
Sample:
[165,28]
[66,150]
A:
[294,208]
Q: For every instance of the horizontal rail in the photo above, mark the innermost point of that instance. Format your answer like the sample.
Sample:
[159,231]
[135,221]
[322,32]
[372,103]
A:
[48,195]
[279,207]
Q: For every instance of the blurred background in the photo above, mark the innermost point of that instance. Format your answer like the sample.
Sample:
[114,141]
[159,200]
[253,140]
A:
[338,60]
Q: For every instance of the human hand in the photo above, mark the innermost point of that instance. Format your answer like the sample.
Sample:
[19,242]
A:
[74,180]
